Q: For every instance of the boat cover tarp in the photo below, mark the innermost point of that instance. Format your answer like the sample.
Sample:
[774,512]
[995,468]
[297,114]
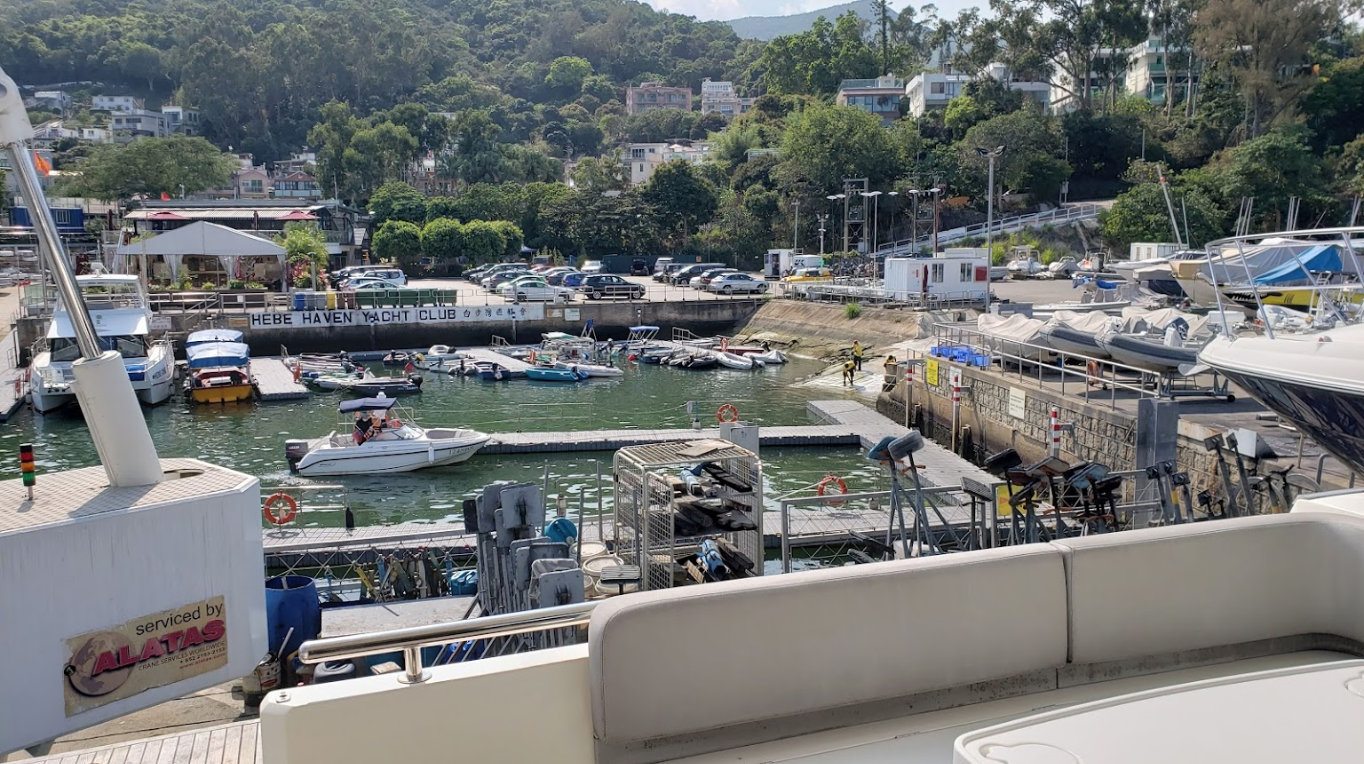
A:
[1325,257]
[1162,317]
[367,404]
[207,355]
[1016,327]
[1088,322]
[213,335]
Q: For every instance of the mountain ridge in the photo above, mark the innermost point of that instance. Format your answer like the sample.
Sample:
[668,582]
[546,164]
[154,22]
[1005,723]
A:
[768,27]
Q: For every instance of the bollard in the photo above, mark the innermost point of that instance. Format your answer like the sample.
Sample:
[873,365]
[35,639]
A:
[1054,449]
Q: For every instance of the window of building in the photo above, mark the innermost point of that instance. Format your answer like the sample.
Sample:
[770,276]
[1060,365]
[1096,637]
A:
[937,273]
[936,88]
[965,272]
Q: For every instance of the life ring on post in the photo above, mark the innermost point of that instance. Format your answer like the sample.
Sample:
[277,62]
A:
[829,481]
[727,413]
[289,512]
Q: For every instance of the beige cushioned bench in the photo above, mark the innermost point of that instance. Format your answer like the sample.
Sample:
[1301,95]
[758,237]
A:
[781,656]
[760,659]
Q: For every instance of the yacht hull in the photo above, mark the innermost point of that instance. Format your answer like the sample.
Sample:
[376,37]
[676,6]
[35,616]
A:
[376,457]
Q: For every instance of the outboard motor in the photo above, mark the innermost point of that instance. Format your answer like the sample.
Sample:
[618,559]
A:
[1176,333]
[294,451]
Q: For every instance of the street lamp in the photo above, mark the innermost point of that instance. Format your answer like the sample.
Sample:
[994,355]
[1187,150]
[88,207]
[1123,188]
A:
[892,219]
[990,200]
[913,194]
[836,198]
[936,193]
[822,218]
[874,196]
[795,227]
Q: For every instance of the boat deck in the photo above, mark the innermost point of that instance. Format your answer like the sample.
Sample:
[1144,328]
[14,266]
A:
[505,361]
[275,381]
[235,743]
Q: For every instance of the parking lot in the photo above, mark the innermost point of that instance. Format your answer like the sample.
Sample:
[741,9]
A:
[473,294]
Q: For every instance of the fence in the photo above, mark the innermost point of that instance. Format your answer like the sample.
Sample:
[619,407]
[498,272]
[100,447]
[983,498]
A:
[1061,215]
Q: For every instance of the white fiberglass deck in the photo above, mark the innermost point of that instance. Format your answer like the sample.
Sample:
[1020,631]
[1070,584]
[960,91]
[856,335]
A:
[928,738]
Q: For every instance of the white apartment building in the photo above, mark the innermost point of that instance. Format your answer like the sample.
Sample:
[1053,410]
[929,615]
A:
[116,103]
[96,134]
[53,99]
[1147,69]
[645,158]
[933,90]
[138,123]
[719,96]
[181,120]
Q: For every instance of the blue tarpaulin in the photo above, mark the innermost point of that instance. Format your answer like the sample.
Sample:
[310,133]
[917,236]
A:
[1325,257]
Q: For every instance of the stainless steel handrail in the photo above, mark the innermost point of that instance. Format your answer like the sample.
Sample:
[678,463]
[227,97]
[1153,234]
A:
[412,639]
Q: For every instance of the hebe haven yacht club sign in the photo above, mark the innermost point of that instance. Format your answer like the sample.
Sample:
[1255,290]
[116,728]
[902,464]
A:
[317,319]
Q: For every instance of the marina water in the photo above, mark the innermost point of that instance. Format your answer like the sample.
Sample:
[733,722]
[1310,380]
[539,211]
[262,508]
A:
[250,437]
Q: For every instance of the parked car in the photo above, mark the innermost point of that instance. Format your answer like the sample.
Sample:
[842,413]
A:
[533,288]
[556,276]
[669,270]
[661,267]
[350,271]
[811,274]
[686,273]
[592,266]
[599,285]
[573,279]
[491,283]
[362,284]
[639,267]
[704,279]
[730,283]
[484,271]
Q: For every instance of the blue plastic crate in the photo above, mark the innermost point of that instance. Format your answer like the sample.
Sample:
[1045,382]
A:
[961,355]
[978,359]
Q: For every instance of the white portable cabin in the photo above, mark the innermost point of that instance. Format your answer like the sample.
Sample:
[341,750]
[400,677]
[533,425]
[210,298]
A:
[1151,250]
[944,278]
[780,262]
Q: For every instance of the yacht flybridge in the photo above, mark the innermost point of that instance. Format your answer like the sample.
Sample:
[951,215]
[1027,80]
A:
[121,315]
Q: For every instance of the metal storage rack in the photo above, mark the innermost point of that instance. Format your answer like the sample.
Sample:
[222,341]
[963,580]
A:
[646,484]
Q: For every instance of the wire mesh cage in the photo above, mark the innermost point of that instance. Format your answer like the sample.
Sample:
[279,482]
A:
[672,497]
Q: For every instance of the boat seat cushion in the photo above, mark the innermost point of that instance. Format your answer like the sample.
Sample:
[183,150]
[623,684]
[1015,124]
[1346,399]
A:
[685,660]
[1165,591]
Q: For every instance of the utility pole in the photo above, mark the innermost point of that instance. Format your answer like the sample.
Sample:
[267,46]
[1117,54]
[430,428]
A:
[990,201]
[795,227]
[822,218]
[914,221]
[835,198]
[875,197]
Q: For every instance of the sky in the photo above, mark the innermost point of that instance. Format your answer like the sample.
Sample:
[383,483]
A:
[723,10]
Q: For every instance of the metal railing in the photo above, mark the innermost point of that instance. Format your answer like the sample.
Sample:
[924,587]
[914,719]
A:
[411,640]
[1067,214]
[1147,384]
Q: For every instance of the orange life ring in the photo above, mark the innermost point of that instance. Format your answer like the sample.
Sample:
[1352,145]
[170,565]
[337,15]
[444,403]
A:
[289,513]
[727,413]
[833,480]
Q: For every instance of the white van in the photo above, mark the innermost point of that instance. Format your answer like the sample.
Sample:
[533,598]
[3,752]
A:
[394,275]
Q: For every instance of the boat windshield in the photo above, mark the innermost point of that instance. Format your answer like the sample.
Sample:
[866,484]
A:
[127,345]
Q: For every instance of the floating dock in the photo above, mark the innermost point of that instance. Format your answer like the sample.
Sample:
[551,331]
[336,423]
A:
[274,380]
[610,440]
[514,365]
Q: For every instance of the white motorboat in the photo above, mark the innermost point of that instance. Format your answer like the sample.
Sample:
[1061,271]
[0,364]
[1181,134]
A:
[400,446]
[1023,263]
[122,318]
[1077,332]
[1016,335]
[591,369]
[771,357]
[736,361]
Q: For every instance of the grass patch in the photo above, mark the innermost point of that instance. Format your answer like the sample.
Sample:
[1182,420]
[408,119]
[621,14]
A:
[852,310]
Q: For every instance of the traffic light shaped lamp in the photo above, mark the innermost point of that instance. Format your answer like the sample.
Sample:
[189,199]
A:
[26,466]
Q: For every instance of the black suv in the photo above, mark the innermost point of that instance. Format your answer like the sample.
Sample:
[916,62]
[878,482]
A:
[639,267]
[600,285]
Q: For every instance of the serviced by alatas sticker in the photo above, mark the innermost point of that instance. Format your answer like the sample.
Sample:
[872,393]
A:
[151,651]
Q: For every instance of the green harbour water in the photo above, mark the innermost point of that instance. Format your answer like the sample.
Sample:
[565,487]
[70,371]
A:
[250,437]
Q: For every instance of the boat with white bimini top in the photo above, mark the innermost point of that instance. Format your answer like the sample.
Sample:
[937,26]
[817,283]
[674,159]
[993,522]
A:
[390,444]
[122,319]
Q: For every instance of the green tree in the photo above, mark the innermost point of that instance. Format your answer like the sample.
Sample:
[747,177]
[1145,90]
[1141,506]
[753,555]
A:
[1029,162]
[690,201]
[825,144]
[398,241]
[568,73]
[377,155]
[152,166]
[305,249]
[484,242]
[595,175]
[1140,214]
[330,138]
[816,60]
[1335,106]
[443,239]
[1270,169]
[397,201]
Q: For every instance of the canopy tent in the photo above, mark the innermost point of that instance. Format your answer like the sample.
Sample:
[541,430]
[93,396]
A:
[1319,259]
[228,246]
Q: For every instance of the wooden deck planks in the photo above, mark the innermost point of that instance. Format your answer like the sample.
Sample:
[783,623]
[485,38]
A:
[233,743]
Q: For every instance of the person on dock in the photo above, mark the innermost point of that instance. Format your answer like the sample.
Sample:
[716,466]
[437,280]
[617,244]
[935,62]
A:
[857,354]
[848,367]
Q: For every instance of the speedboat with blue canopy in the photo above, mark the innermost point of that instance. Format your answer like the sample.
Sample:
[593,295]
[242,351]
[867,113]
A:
[219,371]
[212,335]
[376,435]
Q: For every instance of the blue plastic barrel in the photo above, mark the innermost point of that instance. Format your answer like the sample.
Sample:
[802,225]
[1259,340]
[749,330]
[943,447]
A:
[291,603]
[300,300]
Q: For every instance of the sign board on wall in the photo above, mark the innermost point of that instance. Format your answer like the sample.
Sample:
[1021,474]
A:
[931,372]
[154,650]
[316,319]
[1018,403]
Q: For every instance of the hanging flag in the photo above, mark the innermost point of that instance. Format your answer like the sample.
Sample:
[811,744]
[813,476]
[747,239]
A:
[42,165]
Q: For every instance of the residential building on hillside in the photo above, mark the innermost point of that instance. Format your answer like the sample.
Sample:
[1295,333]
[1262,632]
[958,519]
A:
[58,100]
[654,95]
[123,103]
[1037,91]
[138,123]
[645,158]
[265,217]
[1147,69]
[252,183]
[181,120]
[880,96]
[718,96]
[299,161]
[297,185]
[96,134]
[50,132]
[932,90]
[1107,68]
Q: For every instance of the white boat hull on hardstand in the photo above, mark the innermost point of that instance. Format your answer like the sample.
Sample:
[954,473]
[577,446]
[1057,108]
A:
[412,449]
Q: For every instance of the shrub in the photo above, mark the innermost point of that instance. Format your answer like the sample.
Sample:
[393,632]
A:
[208,285]
[254,285]
[852,310]
[235,284]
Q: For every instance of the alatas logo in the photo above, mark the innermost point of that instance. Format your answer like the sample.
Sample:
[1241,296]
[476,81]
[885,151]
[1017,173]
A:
[108,658]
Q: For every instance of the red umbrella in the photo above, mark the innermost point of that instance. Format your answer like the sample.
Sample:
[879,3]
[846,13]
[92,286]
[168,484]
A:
[166,215]
[298,215]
